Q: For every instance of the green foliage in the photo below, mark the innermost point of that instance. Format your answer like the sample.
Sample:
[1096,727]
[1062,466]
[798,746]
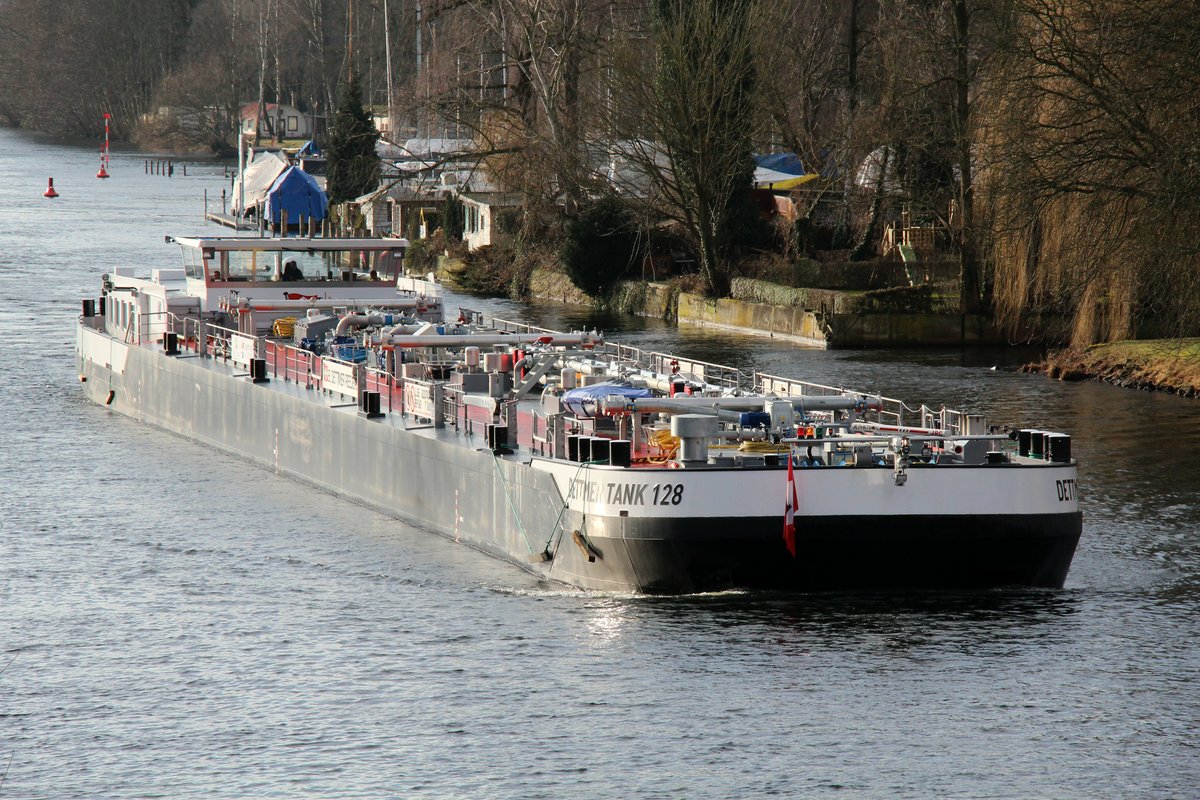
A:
[502,269]
[628,297]
[600,246]
[756,291]
[453,218]
[421,256]
[352,168]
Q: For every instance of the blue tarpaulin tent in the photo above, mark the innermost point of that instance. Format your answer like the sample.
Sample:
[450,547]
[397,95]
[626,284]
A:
[297,193]
[780,171]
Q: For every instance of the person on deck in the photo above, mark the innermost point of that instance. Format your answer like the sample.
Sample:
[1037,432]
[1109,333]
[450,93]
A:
[291,272]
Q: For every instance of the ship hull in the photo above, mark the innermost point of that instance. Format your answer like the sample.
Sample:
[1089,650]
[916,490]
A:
[844,553]
[605,528]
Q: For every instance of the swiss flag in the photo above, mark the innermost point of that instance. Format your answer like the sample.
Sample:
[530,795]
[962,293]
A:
[789,511]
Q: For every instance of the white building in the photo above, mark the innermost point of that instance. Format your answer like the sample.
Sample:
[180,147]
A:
[488,217]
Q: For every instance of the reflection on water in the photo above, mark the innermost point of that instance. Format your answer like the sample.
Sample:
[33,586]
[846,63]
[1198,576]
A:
[1001,613]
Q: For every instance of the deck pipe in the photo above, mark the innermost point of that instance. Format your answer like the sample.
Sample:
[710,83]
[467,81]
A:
[712,405]
[492,339]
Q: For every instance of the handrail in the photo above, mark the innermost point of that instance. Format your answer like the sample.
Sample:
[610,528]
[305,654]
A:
[702,371]
[522,327]
[295,364]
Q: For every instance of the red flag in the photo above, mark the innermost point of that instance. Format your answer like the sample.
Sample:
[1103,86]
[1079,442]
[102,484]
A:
[789,511]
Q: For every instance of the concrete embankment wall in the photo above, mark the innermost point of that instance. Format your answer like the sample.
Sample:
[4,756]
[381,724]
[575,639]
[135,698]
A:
[547,284]
[790,322]
[830,326]
[909,330]
[641,298]
[843,329]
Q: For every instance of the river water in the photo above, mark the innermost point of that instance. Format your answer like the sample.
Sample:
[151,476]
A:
[178,623]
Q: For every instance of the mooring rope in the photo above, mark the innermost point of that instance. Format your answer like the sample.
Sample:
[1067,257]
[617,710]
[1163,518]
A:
[511,504]
[565,503]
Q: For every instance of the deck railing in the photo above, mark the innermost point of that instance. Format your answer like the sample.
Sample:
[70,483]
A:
[446,404]
[701,371]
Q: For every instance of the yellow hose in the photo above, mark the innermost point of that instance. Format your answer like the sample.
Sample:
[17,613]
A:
[667,446]
[284,327]
[763,447]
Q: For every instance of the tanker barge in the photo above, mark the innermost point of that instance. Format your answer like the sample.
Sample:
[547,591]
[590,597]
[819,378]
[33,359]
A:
[589,463]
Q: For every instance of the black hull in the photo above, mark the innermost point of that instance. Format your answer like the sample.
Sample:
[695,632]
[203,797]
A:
[836,553]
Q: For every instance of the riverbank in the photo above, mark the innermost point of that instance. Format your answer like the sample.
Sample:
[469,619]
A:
[825,318]
[1166,365]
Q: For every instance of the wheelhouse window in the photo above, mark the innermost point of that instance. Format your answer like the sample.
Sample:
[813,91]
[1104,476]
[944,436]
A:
[299,266]
[193,262]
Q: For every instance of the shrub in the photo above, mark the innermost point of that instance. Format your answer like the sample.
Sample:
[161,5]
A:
[756,291]
[600,246]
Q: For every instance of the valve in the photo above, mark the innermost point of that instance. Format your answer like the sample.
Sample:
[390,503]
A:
[901,449]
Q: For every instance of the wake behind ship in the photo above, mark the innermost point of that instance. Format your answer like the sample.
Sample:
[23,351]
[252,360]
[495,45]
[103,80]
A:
[591,463]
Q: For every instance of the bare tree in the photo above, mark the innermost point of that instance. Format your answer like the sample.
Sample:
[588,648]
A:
[62,66]
[1095,174]
[799,73]
[689,130]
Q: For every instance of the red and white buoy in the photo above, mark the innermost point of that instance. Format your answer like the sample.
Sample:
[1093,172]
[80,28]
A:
[50,190]
[103,173]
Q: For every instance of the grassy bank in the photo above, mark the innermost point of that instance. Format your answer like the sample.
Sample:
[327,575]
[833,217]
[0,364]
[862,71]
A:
[1169,365]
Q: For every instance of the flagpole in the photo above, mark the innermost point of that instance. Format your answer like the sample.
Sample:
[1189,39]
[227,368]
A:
[790,503]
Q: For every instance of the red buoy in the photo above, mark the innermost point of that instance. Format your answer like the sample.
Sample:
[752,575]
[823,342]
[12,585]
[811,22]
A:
[104,162]
[50,190]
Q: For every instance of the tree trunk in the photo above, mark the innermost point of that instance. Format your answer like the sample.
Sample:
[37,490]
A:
[848,136]
[969,298]
[863,248]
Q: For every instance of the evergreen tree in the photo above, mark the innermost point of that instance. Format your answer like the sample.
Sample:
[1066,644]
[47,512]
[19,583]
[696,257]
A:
[600,246]
[352,166]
